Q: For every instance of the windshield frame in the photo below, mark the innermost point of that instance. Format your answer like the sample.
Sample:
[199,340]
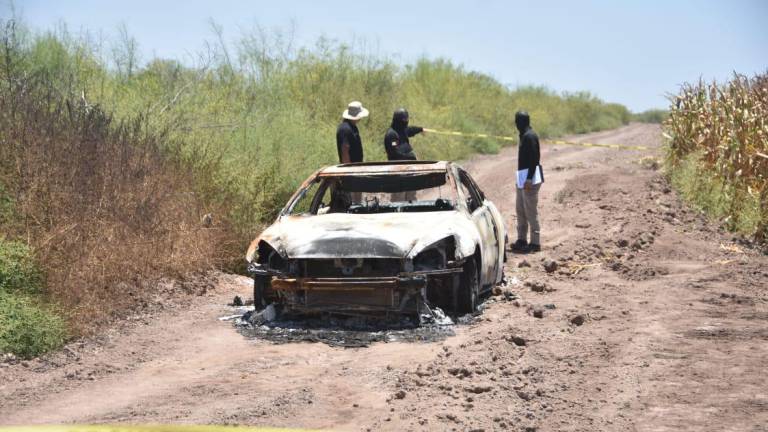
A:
[325,180]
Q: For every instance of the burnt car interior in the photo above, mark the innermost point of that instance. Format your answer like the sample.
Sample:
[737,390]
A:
[371,194]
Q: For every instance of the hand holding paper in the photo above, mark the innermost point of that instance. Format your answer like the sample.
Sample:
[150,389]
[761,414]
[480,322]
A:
[522,176]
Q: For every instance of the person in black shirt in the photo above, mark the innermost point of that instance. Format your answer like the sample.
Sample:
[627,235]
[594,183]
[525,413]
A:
[528,157]
[398,147]
[348,142]
[396,141]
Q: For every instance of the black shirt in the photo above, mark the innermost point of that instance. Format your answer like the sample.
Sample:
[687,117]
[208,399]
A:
[528,155]
[347,133]
[402,150]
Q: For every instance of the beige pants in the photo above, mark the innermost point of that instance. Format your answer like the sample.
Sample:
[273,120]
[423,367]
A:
[528,214]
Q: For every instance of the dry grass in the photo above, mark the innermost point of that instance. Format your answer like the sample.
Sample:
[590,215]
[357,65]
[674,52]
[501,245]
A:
[104,210]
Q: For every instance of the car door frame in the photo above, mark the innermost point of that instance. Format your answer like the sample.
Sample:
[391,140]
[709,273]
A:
[499,229]
[484,219]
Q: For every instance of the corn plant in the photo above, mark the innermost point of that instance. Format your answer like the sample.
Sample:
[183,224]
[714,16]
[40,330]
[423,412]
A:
[726,127]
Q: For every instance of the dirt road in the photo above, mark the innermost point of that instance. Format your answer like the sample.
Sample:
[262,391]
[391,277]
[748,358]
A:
[653,321]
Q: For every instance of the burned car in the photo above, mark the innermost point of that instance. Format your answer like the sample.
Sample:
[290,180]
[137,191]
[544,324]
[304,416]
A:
[388,237]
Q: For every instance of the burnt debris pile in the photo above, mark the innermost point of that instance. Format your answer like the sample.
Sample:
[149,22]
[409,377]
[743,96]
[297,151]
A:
[351,331]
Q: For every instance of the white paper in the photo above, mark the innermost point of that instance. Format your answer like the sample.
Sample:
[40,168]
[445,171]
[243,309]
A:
[522,176]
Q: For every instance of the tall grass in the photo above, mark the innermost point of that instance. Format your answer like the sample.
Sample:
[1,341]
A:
[104,203]
[718,151]
[266,112]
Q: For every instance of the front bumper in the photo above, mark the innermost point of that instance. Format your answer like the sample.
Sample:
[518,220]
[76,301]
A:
[399,293]
[373,294]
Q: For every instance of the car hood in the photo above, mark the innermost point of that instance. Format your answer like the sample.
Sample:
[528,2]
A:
[385,235]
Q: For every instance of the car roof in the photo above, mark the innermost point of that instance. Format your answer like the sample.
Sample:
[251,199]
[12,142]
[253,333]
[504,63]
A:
[386,167]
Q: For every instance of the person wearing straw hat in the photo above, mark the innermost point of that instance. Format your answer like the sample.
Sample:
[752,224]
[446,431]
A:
[350,147]
[348,142]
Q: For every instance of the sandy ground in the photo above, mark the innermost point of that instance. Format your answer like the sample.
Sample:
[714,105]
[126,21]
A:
[654,320]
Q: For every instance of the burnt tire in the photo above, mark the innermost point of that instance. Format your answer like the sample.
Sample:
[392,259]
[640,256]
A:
[260,288]
[506,244]
[469,290]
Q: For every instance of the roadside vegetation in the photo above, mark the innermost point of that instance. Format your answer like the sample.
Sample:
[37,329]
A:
[109,162]
[718,150]
[28,327]
[260,114]
[651,116]
[93,209]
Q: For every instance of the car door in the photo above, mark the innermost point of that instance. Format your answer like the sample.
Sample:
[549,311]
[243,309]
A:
[500,230]
[483,219]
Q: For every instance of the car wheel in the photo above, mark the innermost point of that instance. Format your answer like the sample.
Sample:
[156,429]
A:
[260,285]
[469,292]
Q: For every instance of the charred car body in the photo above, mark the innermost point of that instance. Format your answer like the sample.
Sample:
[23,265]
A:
[381,237]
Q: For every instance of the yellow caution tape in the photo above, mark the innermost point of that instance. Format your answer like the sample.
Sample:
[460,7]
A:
[557,142]
[471,135]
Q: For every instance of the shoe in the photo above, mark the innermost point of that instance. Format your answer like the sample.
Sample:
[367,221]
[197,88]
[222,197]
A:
[533,248]
[520,246]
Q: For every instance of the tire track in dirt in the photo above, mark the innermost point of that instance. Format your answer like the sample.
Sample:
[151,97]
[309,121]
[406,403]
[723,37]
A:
[673,334]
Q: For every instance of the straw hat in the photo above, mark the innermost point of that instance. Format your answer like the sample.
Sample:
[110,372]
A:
[355,111]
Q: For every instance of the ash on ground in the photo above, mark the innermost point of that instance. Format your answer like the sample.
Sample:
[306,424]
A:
[343,331]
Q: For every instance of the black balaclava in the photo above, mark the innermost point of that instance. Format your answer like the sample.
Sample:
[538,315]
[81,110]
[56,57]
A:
[400,120]
[522,121]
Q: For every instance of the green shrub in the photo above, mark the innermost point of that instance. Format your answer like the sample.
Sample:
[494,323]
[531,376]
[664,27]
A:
[27,328]
[7,207]
[18,271]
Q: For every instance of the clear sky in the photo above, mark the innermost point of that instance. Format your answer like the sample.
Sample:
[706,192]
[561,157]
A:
[631,52]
